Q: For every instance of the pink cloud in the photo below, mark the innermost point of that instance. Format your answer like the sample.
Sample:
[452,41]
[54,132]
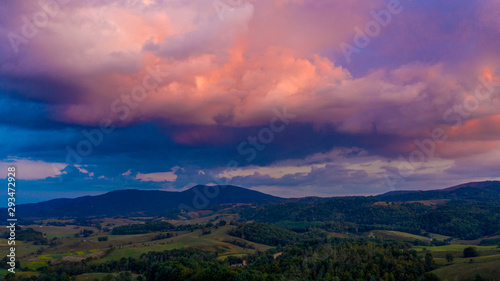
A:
[33,170]
[232,73]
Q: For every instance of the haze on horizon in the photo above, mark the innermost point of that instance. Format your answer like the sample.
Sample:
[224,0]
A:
[296,97]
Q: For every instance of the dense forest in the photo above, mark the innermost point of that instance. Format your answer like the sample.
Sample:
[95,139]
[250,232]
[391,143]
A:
[154,226]
[271,235]
[461,219]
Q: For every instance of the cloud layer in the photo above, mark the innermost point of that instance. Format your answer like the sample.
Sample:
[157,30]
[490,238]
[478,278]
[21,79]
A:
[184,83]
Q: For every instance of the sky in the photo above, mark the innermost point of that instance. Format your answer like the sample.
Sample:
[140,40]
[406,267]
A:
[289,97]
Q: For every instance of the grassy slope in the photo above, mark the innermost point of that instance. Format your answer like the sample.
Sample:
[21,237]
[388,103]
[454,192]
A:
[482,249]
[467,271]
[22,249]
[397,235]
[60,231]
[125,245]
[403,236]
[487,264]
[210,242]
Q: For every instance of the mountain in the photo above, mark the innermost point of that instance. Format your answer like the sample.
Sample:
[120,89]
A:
[485,191]
[154,202]
[143,202]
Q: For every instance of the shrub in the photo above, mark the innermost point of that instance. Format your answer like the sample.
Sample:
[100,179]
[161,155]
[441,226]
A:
[470,252]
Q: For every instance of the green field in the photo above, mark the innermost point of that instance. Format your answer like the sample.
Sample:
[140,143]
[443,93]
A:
[210,242]
[33,265]
[460,248]
[397,235]
[58,256]
[404,236]
[134,252]
[467,271]
[22,249]
[60,231]
[487,263]
[439,236]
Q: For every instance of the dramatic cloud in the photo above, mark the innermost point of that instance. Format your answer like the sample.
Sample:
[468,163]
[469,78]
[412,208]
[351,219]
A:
[183,84]
[340,171]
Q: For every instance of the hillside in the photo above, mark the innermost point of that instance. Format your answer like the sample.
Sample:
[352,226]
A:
[469,211]
[486,191]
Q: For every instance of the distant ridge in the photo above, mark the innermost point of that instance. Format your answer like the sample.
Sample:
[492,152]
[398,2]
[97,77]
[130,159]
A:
[480,191]
[157,203]
[142,202]
[478,184]
[398,192]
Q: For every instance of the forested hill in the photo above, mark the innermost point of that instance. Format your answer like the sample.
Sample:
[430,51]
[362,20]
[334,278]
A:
[469,212]
[486,191]
[142,202]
